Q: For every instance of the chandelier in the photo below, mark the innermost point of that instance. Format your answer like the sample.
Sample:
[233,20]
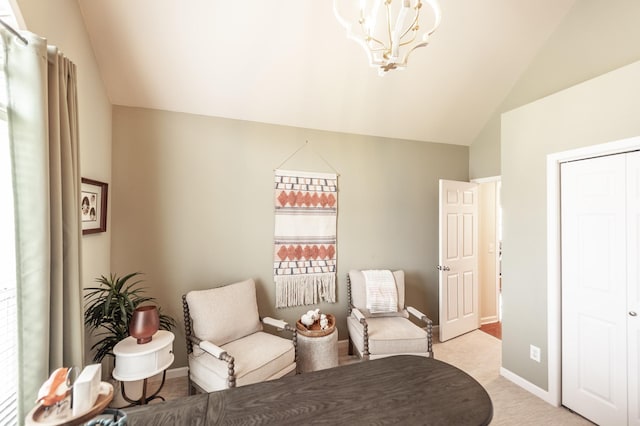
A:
[388,30]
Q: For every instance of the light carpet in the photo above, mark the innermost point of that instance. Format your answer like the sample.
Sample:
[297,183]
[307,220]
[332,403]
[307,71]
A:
[480,355]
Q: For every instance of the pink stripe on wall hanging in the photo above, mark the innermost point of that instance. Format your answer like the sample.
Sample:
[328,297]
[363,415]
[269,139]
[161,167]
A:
[304,261]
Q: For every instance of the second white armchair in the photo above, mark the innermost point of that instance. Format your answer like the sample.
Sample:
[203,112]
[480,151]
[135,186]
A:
[380,334]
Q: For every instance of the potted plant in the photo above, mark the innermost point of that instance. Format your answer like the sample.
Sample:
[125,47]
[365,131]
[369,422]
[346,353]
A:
[109,307]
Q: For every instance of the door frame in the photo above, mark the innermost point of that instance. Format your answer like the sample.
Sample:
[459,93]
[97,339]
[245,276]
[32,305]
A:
[554,264]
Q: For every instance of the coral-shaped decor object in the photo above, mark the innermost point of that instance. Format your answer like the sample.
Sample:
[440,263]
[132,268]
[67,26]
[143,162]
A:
[310,318]
[313,323]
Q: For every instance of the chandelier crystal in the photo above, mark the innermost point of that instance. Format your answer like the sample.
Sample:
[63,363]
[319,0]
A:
[388,30]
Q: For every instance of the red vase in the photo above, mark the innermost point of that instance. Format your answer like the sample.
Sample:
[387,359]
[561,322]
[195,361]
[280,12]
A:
[144,323]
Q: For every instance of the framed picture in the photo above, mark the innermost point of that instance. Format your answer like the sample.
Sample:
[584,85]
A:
[93,206]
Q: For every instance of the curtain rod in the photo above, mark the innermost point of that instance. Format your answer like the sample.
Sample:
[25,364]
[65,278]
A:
[14,32]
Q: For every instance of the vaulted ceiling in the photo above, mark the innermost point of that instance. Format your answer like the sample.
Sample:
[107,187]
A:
[289,62]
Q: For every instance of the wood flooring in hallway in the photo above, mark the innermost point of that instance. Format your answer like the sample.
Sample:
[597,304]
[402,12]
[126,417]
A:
[494,329]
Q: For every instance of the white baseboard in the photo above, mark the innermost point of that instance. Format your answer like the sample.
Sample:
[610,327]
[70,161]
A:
[489,320]
[343,346]
[528,386]
[177,372]
[173,373]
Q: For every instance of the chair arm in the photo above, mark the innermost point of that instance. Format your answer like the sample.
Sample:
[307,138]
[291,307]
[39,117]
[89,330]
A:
[359,315]
[282,325]
[279,324]
[218,353]
[422,317]
[213,349]
[208,347]
[416,313]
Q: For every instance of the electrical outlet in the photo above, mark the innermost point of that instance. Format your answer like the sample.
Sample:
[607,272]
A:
[534,353]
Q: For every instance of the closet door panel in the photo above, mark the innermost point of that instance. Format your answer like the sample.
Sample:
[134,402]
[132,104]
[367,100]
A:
[594,337]
[633,277]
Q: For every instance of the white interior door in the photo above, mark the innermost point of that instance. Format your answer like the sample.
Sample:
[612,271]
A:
[458,258]
[594,287]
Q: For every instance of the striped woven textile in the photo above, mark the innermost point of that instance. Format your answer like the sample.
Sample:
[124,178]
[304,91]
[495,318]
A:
[382,294]
[304,262]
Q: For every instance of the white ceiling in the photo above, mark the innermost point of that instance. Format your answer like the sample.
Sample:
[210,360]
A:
[289,62]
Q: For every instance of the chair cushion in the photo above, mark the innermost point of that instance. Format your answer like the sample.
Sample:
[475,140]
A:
[359,295]
[258,357]
[223,314]
[389,336]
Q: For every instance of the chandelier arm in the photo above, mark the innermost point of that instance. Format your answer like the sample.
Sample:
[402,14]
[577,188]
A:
[369,38]
[405,57]
[437,14]
[380,49]
[412,26]
[389,36]
[383,46]
[415,34]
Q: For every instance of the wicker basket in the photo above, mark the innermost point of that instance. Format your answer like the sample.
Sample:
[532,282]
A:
[315,330]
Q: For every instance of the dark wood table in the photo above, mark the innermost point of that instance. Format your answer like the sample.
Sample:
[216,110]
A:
[407,390]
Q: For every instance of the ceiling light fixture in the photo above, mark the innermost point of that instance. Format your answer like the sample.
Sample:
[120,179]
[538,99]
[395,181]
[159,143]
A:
[388,30]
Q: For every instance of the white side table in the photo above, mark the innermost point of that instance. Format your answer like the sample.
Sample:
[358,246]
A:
[317,353]
[139,362]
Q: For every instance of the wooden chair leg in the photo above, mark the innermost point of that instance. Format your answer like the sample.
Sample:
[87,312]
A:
[191,389]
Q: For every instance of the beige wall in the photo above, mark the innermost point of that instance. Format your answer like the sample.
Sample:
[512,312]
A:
[601,110]
[61,24]
[193,205]
[595,37]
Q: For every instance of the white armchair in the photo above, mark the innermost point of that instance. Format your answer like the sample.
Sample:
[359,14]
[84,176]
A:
[378,335]
[225,343]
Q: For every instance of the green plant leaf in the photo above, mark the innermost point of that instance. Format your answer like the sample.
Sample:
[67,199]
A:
[109,307]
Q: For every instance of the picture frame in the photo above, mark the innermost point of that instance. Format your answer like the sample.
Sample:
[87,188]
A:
[93,206]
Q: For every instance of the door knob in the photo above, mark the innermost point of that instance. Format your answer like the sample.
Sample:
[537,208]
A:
[633,313]
[443,268]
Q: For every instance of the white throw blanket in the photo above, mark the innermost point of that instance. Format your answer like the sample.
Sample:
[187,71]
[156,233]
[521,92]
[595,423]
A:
[382,294]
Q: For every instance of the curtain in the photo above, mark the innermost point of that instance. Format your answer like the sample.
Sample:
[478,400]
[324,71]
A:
[43,135]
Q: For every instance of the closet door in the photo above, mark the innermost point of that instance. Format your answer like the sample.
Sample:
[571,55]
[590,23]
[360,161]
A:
[633,296]
[594,289]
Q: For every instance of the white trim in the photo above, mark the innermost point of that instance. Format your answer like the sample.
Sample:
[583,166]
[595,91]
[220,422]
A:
[489,320]
[172,373]
[177,372]
[554,341]
[17,14]
[554,307]
[526,385]
[343,347]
